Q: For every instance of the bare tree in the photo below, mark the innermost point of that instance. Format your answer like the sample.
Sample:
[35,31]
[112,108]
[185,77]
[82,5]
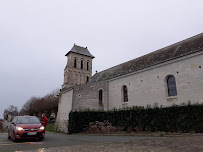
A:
[11,110]
[30,107]
[47,104]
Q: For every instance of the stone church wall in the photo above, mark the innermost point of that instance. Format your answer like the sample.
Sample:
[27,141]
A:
[149,87]
[145,87]
[64,108]
[87,96]
[76,76]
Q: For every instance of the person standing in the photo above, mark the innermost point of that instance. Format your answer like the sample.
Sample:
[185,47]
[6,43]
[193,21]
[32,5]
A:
[45,120]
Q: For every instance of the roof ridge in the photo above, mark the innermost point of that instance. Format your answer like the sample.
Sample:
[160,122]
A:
[154,56]
[187,39]
[80,50]
[80,46]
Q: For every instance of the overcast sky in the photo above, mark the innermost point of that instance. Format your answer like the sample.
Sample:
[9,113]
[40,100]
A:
[36,34]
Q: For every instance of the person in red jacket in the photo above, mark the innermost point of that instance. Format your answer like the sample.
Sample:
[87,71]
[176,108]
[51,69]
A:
[44,119]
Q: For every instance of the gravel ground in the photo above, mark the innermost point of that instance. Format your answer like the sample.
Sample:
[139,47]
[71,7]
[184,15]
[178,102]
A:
[188,143]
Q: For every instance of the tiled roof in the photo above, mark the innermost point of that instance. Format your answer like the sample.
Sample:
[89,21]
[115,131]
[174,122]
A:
[80,50]
[177,50]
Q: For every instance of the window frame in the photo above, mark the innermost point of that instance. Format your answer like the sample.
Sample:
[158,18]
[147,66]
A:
[100,97]
[82,64]
[171,86]
[75,62]
[88,65]
[87,79]
[125,94]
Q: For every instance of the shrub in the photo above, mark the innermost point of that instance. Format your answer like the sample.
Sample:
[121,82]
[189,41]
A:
[100,127]
[50,127]
[182,118]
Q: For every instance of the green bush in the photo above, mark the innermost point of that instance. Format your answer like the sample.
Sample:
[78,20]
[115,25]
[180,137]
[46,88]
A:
[185,118]
[50,127]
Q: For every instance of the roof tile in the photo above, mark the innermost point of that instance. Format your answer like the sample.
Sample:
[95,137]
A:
[177,50]
[80,50]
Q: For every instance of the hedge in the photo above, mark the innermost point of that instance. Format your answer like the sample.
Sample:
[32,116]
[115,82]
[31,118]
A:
[185,118]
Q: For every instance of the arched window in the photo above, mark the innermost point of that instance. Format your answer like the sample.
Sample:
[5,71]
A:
[171,85]
[87,79]
[81,64]
[100,96]
[75,63]
[125,93]
[87,65]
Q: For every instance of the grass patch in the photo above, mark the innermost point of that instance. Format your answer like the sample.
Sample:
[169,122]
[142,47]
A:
[50,127]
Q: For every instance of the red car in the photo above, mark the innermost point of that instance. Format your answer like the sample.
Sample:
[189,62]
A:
[26,127]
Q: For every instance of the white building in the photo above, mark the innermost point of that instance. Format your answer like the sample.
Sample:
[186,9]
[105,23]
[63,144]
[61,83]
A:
[171,75]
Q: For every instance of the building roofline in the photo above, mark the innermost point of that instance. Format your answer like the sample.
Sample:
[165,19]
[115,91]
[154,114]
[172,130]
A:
[177,50]
[80,50]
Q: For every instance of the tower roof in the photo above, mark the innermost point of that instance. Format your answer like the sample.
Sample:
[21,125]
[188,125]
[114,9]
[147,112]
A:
[80,50]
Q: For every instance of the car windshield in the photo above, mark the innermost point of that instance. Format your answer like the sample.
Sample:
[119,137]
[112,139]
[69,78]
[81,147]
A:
[28,120]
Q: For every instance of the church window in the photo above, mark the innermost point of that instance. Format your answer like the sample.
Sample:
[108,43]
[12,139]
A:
[87,80]
[87,65]
[100,97]
[75,63]
[125,93]
[81,64]
[171,86]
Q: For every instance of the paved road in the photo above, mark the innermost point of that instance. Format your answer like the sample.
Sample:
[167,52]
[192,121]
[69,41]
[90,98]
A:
[56,140]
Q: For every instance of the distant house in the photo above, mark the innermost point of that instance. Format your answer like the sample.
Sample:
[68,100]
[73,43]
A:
[171,75]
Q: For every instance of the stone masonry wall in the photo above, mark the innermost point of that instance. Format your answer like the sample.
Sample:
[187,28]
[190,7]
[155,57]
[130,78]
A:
[64,108]
[149,87]
[76,76]
[87,96]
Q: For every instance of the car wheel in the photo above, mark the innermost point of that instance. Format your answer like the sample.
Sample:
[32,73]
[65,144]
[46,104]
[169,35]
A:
[9,137]
[40,139]
[14,138]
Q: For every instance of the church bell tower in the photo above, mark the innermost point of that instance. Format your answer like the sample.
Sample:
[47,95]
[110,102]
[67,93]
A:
[78,69]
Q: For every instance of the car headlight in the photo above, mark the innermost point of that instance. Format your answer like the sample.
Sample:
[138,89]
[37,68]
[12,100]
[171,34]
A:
[19,128]
[41,128]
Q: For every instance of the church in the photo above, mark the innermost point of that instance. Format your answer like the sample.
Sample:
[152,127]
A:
[171,75]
